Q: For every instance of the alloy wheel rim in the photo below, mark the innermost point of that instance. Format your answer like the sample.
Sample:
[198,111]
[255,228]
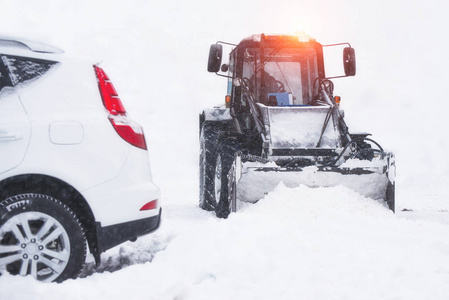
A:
[34,243]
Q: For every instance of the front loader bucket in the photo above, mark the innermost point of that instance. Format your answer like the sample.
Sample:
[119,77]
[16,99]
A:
[250,181]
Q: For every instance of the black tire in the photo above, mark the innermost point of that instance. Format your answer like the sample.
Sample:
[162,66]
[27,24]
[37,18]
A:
[232,192]
[209,135]
[42,237]
[224,157]
[390,195]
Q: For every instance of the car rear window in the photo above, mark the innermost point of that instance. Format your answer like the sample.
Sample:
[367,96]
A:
[4,78]
[24,69]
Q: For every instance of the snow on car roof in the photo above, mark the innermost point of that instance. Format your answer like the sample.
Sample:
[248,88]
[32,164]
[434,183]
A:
[8,41]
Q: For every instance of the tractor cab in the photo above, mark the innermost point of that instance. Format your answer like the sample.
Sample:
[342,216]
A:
[279,70]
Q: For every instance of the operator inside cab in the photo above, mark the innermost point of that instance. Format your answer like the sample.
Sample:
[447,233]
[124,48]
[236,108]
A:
[281,76]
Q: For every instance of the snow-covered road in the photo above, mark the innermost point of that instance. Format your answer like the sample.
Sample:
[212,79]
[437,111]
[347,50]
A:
[302,243]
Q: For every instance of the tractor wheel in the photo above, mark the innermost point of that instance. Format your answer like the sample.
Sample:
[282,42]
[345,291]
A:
[232,192]
[390,196]
[223,161]
[207,161]
[42,237]
[209,135]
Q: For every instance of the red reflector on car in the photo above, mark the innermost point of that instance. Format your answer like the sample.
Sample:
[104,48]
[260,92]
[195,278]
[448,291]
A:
[150,205]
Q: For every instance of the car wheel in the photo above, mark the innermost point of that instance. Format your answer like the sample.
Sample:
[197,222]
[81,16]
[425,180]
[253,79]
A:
[42,237]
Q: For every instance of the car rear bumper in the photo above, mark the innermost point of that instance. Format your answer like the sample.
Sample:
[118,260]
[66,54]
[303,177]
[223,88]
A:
[121,199]
[111,236]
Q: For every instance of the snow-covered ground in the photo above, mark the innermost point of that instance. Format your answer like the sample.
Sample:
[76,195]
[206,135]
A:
[294,244]
[302,243]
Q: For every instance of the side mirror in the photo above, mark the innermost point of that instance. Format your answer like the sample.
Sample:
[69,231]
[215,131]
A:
[215,55]
[349,61]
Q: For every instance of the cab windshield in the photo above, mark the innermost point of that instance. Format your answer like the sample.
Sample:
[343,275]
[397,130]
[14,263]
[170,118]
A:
[281,76]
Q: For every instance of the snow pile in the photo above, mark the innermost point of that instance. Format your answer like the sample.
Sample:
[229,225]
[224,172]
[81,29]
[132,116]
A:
[254,183]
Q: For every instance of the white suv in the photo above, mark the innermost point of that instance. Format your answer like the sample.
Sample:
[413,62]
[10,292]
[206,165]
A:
[74,170]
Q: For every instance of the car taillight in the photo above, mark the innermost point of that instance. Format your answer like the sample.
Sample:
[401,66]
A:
[110,97]
[127,129]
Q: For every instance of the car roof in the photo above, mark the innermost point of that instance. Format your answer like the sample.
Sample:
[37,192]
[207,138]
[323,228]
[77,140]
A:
[21,43]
